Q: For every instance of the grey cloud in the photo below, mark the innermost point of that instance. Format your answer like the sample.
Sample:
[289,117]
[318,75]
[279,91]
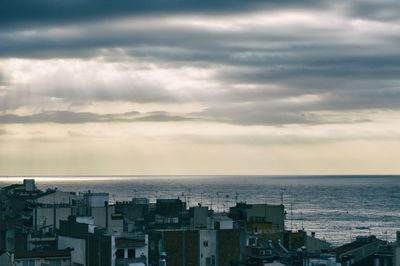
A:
[278,62]
[20,13]
[67,117]
[77,92]
[334,66]
[191,43]
[63,117]
[254,140]
[139,93]
[163,117]
[388,10]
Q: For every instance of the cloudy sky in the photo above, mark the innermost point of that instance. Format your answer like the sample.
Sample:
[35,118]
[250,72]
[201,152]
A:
[199,87]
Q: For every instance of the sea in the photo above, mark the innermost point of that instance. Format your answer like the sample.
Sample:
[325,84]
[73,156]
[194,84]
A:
[336,208]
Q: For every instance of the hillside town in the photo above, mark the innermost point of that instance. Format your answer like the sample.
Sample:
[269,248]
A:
[61,228]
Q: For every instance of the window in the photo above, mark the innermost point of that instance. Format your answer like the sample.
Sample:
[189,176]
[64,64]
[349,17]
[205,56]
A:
[55,262]
[255,229]
[205,243]
[213,260]
[28,263]
[120,253]
[252,241]
[217,225]
[208,261]
[131,253]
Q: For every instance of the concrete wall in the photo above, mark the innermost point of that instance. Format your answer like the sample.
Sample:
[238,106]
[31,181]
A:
[396,255]
[5,260]
[97,199]
[58,197]
[144,250]
[314,244]
[99,215]
[78,254]
[272,213]
[45,216]
[199,219]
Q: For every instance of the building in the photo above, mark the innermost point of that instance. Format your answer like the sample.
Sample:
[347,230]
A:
[131,248]
[45,257]
[51,197]
[220,221]
[272,216]
[359,252]
[171,214]
[204,247]
[89,247]
[6,260]
[292,241]
[396,250]
[199,216]
[135,213]
[106,217]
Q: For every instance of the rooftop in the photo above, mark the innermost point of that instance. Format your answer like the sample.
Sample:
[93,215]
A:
[351,246]
[43,254]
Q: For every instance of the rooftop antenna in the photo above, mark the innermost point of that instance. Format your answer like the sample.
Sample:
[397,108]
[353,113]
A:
[201,198]
[291,216]
[183,196]
[236,197]
[302,227]
[188,198]
[211,199]
[217,201]
[227,203]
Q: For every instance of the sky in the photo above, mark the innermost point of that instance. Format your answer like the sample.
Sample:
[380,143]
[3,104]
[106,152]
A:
[199,87]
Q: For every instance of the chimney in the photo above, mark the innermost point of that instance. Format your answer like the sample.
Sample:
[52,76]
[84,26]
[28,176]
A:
[29,184]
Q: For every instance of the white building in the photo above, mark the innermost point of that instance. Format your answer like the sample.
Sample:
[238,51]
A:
[96,199]
[58,197]
[220,221]
[208,247]
[131,249]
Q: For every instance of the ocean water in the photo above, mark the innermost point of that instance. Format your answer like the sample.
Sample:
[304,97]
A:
[337,208]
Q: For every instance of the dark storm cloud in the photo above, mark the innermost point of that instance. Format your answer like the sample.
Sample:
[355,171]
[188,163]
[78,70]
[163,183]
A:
[20,13]
[262,72]
[166,42]
[388,10]
[67,117]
